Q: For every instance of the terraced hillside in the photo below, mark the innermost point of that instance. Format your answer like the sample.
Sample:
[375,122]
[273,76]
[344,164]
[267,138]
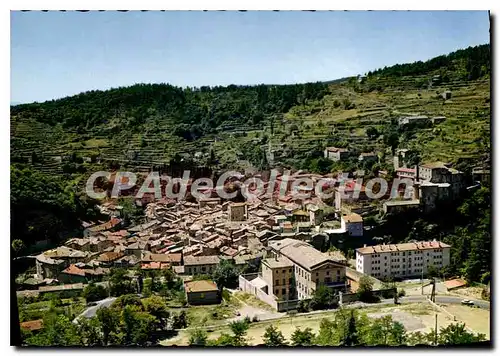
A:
[236,127]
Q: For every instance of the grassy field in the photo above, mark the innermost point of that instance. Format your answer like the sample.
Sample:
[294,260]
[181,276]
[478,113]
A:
[212,314]
[252,301]
[38,310]
[414,316]
[474,318]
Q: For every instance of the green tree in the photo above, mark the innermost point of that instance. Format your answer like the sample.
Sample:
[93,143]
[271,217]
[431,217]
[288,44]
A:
[223,340]
[157,307]
[239,329]
[391,139]
[302,337]
[323,298]
[274,337]
[198,337]
[180,320]
[18,246]
[90,331]
[328,334]
[120,283]
[137,326]
[365,289]
[372,132]
[58,331]
[109,320]
[457,334]
[351,338]
[94,292]
[226,274]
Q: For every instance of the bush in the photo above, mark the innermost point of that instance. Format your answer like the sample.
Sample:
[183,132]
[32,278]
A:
[401,293]
[226,295]
[255,319]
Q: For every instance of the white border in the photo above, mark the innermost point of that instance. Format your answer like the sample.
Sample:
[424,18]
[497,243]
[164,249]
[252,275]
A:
[191,5]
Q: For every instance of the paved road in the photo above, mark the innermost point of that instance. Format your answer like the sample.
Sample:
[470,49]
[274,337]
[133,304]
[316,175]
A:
[91,311]
[445,299]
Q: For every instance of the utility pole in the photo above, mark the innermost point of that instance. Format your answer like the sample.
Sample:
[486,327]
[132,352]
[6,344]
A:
[422,281]
[436,331]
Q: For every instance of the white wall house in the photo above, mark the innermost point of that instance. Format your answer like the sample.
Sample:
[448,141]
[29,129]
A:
[402,260]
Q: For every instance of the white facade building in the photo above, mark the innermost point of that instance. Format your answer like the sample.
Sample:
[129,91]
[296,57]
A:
[402,260]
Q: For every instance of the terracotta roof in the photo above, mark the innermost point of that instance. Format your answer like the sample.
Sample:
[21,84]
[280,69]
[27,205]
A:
[353,218]
[32,325]
[110,256]
[201,260]
[155,265]
[406,170]
[162,257]
[72,269]
[455,283]
[107,225]
[409,246]
[200,286]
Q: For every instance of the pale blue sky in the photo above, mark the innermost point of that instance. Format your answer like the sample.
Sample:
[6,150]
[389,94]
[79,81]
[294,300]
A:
[55,54]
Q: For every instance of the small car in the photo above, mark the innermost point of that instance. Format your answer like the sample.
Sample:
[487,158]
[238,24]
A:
[91,304]
[467,302]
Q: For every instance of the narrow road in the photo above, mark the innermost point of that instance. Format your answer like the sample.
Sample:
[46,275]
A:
[446,299]
[91,311]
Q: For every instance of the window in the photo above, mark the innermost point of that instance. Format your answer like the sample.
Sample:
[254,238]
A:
[283,291]
[317,274]
[277,282]
[277,292]
[289,280]
[290,270]
[284,271]
[317,280]
[338,271]
[202,296]
[203,269]
[284,281]
[327,273]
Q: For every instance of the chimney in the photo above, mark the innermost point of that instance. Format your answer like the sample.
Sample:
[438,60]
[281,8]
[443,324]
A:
[364,245]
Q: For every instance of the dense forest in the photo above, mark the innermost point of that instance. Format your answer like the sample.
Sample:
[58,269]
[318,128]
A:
[191,112]
[477,64]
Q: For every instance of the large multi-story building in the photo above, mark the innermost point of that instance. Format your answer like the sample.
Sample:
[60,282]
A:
[402,260]
[298,269]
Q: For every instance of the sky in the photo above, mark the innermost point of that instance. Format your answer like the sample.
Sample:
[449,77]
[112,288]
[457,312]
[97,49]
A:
[56,54]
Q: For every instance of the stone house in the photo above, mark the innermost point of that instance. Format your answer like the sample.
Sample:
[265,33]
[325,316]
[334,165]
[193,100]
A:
[202,292]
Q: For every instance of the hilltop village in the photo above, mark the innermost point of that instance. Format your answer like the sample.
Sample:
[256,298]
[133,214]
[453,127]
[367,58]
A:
[281,243]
